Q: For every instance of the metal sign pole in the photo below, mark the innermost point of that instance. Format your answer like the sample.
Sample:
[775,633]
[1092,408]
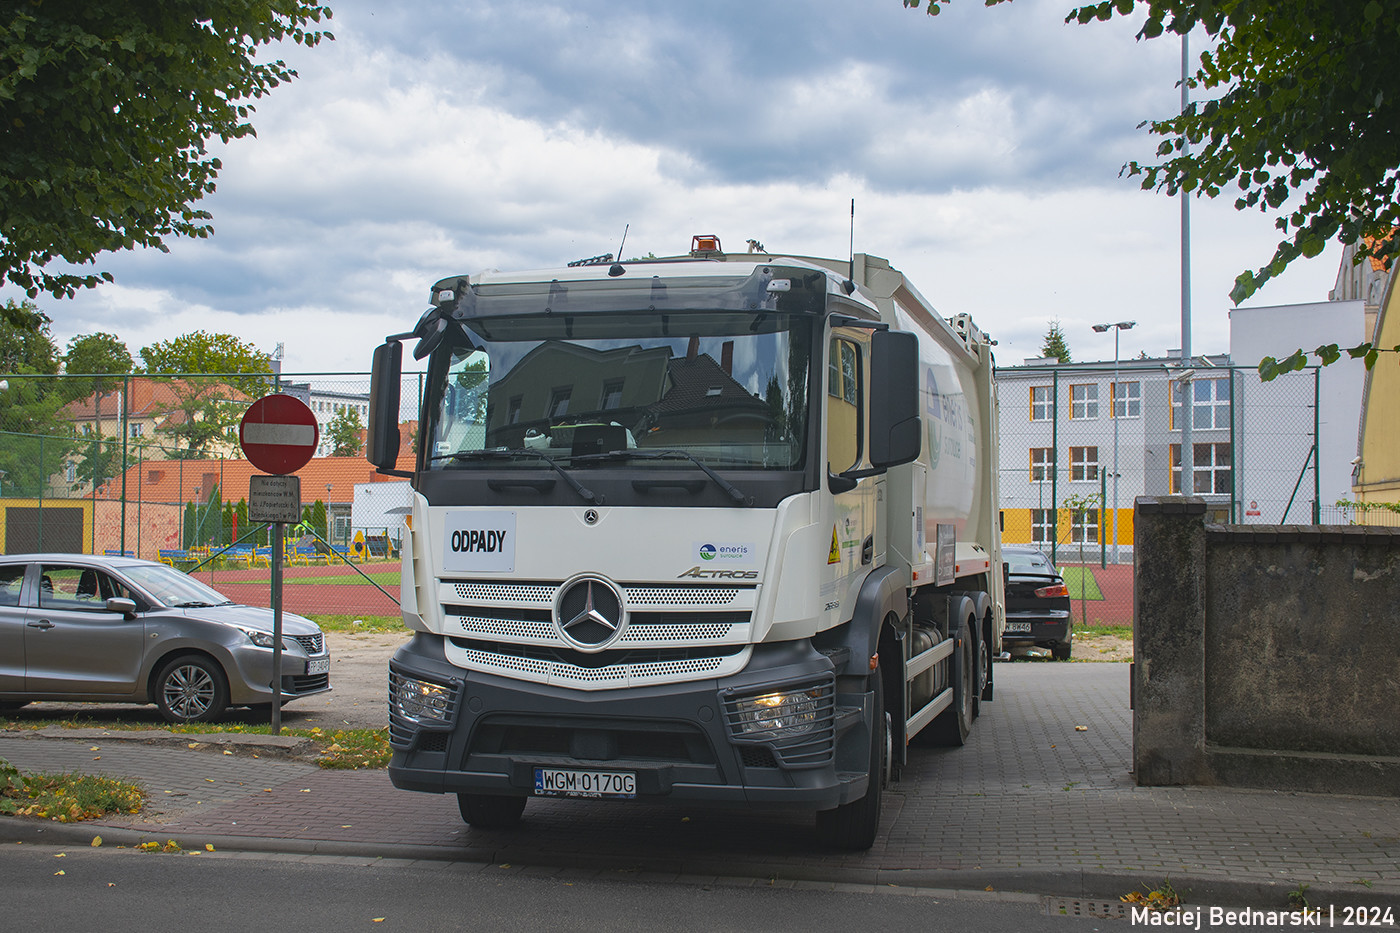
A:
[277,628]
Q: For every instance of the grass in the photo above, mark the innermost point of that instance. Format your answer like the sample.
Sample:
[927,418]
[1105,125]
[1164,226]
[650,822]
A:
[343,749]
[65,798]
[1081,583]
[359,623]
[1093,631]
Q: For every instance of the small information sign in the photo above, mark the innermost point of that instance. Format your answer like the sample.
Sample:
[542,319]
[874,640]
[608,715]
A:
[274,499]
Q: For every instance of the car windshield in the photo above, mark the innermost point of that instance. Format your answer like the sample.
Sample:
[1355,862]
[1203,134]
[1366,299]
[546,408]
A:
[1028,562]
[726,388]
[173,588]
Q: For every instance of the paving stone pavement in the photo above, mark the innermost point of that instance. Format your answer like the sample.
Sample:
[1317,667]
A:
[1032,803]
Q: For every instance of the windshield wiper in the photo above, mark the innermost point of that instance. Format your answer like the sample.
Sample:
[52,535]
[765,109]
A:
[671,454]
[503,452]
[193,604]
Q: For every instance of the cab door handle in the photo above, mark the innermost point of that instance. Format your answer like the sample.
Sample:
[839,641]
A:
[42,623]
[867,550]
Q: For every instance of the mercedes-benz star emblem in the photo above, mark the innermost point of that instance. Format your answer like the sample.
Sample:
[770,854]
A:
[588,612]
[591,516]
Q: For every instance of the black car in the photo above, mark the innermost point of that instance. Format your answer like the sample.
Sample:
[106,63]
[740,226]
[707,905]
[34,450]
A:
[1037,603]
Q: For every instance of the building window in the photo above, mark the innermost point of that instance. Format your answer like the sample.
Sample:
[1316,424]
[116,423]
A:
[1210,404]
[513,409]
[1042,463]
[137,429]
[612,395]
[70,472]
[1042,403]
[1127,400]
[559,402]
[1212,469]
[1084,402]
[1084,526]
[1084,464]
[1043,526]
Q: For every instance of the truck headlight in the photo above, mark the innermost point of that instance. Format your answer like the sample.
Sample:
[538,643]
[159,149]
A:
[778,714]
[420,701]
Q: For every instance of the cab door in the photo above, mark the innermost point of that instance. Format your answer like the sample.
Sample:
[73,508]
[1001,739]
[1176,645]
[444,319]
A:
[852,543]
[73,644]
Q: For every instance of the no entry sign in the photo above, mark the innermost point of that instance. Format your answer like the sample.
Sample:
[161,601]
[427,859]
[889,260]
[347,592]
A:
[278,434]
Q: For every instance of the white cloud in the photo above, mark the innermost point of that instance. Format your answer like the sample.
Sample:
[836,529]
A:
[983,151]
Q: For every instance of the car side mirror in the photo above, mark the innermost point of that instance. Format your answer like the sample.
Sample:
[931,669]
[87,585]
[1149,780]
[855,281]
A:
[127,607]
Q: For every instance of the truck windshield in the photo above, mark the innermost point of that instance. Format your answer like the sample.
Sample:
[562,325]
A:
[728,389]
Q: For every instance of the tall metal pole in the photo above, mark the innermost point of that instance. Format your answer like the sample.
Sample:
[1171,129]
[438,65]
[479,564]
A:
[1114,411]
[1188,485]
[276,628]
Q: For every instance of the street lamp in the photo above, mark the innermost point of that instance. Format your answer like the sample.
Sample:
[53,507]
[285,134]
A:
[1117,328]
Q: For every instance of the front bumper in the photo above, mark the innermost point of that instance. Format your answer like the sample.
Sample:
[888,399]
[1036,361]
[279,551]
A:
[250,674]
[682,741]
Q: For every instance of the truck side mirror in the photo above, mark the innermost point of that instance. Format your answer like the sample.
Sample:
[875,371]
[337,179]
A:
[895,432]
[386,372]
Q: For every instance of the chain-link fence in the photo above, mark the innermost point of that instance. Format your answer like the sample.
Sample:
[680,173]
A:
[151,467]
[1080,442]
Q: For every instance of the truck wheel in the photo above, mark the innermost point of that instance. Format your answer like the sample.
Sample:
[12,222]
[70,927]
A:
[490,812]
[855,825]
[984,664]
[954,723]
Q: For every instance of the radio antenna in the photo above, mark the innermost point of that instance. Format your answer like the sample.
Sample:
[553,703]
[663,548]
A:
[618,268]
[850,284]
[625,228]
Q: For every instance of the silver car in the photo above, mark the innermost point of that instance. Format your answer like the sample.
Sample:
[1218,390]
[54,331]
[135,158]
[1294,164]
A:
[77,627]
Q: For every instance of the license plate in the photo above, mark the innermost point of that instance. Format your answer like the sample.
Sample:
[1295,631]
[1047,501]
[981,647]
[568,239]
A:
[318,666]
[554,782]
[1018,627]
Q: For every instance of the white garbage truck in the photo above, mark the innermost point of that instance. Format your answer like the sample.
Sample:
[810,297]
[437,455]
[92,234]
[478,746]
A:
[714,529]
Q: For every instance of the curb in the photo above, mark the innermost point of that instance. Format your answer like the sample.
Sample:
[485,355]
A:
[1196,890]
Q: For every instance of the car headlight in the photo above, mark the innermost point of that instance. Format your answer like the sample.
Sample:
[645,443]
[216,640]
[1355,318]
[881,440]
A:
[257,636]
[773,715]
[420,701]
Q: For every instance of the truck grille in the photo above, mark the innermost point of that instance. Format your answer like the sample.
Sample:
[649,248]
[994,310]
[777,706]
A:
[606,670]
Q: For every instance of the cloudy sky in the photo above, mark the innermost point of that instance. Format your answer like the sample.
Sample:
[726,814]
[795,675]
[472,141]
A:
[982,147]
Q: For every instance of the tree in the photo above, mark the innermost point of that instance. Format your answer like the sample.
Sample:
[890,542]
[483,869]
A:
[208,406]
[345,432]
[106,109]
[34,440]
[1303,98]
[104,357]
[1055,346]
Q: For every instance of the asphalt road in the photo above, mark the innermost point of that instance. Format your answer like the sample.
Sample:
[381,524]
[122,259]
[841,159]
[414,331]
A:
[57,890]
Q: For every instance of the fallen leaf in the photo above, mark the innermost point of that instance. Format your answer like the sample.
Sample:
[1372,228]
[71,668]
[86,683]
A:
[306,790]
[378,920]
[989,888]
[60,872]
[95,748]
[227,752]
[96,841]
[193,745]
[208,847]
[61,855]
[210,780]
[1081,728]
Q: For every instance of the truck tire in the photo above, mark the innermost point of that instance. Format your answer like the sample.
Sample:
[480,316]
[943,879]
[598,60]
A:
[486,811]
[853,826]
[954,723]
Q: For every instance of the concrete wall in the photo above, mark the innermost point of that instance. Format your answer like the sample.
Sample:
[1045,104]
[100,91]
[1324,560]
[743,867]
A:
[1265,656]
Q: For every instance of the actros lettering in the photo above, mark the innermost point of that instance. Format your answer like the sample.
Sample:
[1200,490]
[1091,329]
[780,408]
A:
[478,541]
[699,574]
